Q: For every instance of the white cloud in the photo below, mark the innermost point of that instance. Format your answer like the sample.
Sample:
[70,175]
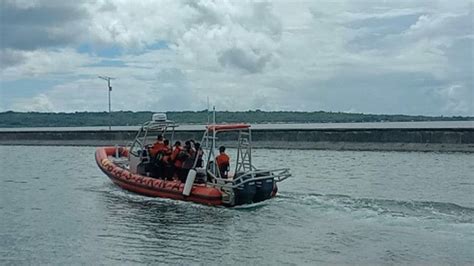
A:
[458,99]
[23,4]
[43,63]
[135,24]
[39,103]
[342,55]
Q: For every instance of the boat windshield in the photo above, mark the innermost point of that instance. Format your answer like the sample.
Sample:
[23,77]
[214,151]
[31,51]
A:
[148,133]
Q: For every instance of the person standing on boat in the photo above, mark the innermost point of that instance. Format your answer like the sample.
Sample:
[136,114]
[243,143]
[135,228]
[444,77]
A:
[161,160]
[157,146]
[157,153]
[188,155]
[166,161]
[176,159]
[199,154]
[223,162]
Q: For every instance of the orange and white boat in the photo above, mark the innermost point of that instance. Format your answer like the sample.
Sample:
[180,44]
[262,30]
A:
[128,167]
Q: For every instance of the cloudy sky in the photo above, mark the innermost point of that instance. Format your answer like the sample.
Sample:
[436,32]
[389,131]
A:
[410,57]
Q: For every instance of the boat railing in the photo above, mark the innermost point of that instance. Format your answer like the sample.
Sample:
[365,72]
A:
[251,176]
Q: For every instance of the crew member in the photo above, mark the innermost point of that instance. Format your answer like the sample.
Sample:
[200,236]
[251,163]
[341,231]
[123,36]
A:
[157,146]
[176,159]
[223,162]
[166,150]
[161,160]
[188,155]
[199,154]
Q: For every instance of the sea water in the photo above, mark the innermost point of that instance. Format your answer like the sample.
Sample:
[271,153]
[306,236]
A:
[57,207]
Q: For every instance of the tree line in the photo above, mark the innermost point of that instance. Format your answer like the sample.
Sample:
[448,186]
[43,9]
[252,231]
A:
[129,118]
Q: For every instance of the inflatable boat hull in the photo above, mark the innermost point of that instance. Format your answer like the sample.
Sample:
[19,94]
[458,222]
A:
[153,187]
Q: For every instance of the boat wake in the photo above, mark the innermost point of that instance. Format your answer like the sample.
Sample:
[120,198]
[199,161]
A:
[252,206]
[396,208]
[365,207]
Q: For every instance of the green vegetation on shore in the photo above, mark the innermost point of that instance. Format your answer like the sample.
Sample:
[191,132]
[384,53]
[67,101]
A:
[128,118]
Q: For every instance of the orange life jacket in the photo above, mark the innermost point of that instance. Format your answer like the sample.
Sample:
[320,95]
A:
[222,160]
[166,155]
[177,163]
[156,148]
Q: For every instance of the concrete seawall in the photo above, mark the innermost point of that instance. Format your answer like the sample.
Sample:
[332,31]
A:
[392,139]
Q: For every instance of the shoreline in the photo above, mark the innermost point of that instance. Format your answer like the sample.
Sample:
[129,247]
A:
[356,139]
[269,126]
[300,145]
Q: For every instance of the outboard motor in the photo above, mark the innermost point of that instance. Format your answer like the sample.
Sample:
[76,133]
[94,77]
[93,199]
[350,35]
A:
[264,188]
[244,193]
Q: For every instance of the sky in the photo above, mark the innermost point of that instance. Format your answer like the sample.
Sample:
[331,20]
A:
[383,57]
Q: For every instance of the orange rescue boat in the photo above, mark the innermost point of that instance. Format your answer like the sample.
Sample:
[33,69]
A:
[128,167]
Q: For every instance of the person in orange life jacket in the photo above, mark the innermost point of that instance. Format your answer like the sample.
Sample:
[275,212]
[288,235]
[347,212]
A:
[223,162]
[152,151]
[157,146]
[167,162]
[187,155]
[177,163]
[166,151]
[161,160]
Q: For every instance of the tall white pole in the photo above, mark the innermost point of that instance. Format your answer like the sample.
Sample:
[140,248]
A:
[216,171]
[109,88]
[110,108]
[207,110]
[214,115]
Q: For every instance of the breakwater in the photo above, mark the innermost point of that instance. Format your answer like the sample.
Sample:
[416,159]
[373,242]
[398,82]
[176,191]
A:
[392,139]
